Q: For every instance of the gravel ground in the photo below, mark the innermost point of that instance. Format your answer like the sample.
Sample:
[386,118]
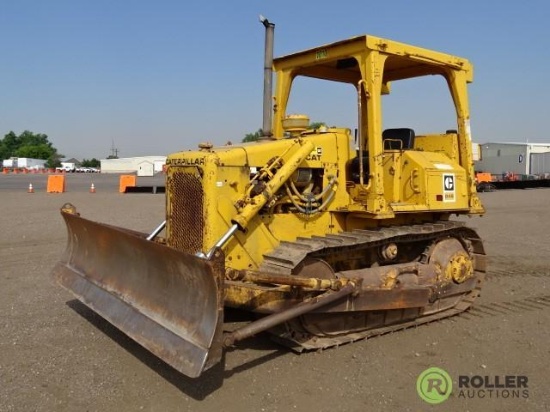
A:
[56,355]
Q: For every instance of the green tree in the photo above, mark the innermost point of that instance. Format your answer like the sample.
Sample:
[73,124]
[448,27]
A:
[8,145]
[54,160]
[29,144]
[34,139]
[252,137]
[90,162]
[40,151]
[316,125]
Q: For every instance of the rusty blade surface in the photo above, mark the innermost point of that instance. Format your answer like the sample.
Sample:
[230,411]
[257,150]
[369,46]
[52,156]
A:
[168,301]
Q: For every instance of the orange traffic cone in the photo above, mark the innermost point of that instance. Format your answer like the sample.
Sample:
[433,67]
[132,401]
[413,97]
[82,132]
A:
[92,188]
[31,190]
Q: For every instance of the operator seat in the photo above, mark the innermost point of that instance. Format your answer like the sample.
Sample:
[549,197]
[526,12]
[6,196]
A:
[398,139]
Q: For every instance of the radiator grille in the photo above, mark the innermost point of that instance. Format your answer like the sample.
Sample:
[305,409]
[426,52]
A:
[187,217]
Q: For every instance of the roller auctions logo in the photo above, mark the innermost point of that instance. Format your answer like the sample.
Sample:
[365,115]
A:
[434,385]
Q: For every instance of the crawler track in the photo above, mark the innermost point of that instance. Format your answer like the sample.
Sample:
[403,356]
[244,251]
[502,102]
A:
[302,333]
[288,255]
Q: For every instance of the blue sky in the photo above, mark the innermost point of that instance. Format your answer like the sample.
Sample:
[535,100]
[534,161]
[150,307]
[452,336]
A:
[159,77]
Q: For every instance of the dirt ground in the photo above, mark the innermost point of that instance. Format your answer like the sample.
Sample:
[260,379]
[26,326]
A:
[56,355]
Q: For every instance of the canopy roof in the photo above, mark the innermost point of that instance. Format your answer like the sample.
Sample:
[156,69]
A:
[340,61]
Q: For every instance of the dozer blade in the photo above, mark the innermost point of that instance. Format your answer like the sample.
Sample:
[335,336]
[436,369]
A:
[168,301]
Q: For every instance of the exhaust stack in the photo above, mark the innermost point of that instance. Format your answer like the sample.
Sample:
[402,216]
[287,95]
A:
[268,78]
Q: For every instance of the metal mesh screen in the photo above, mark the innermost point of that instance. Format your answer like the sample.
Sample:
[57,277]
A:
[186,218]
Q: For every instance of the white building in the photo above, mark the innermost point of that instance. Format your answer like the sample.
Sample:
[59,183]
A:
[517,158]
[143,166]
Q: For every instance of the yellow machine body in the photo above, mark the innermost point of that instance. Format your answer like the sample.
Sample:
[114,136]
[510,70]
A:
[401,185]
[329,235]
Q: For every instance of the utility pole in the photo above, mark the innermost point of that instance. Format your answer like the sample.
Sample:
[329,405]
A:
[114,151]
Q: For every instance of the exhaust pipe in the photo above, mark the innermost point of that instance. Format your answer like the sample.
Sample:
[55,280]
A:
[268,77]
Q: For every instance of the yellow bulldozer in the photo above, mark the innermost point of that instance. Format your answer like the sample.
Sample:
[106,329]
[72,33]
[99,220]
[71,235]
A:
[327,235]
